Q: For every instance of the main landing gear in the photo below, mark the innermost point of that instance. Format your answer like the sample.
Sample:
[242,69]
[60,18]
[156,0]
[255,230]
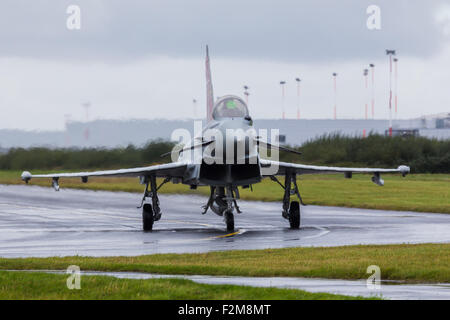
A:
[291,210]
[222,201]
[151,212]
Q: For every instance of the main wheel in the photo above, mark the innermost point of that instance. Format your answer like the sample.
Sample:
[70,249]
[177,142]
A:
[229,220]
[147,217]
[294,215]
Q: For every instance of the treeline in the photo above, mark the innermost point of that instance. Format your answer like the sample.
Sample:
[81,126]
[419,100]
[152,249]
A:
[423,155]
[95,158]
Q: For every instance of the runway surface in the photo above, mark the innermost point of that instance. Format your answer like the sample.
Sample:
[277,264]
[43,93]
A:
[36,221]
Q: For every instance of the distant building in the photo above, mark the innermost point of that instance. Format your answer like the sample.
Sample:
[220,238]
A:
[113,133]
[403,132]
[435,121]
[431,126]
[443,122]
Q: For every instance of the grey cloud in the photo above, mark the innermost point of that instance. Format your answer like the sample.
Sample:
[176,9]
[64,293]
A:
[282,30]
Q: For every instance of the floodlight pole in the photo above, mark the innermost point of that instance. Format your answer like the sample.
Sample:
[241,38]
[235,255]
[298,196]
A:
[372,67]
[366,106]
[282,83]
[194,105]
[335,95]
[390,53]
[67,118]
[396,86]
[86,105]
[298,97]
[246,93]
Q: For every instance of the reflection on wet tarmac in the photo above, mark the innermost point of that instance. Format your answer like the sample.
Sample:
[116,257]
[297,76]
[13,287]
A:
[36,221]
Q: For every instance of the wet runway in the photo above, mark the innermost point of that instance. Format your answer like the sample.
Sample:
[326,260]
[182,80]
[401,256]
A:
[36,221]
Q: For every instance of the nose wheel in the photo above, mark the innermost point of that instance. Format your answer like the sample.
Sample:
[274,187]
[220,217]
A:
[222,201]
[229,220]
[147,217]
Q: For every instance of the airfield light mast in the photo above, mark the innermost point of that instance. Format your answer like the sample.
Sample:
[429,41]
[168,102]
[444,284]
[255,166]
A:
[390,53]
[67,118]
[395,86]
[86,105]
[194,106]
[366,110]
[335,95]
[282,83]
[298,97]
[246,93]
[372,67]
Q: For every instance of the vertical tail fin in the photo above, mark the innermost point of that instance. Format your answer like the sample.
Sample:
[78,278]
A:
[209,89]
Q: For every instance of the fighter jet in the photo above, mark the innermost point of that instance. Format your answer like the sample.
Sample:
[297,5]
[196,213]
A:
[223,161]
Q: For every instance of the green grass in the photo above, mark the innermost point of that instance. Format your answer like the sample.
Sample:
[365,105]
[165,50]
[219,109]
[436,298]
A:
[411,263]
[418,192]
[26,285]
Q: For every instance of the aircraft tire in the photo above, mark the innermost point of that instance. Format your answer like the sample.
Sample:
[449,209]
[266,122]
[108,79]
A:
[229,220]
[147,217]
[294,215]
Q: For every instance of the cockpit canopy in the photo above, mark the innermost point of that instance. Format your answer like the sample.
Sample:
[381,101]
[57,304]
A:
[230,107]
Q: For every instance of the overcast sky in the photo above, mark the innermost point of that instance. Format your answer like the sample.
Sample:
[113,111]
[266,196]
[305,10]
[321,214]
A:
[132,59]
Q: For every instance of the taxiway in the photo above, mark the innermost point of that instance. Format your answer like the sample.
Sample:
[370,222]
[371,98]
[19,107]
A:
[37,221]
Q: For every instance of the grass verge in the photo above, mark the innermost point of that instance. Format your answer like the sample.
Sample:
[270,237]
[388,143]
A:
[25,285]
[412,263]
[418,192]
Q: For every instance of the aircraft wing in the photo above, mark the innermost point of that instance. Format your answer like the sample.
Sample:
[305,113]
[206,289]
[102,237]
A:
[175,169]
[296,168]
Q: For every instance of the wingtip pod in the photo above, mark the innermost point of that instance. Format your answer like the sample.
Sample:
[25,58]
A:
[404,170]
[26,176]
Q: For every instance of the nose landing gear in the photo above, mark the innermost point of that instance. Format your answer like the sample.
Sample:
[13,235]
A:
[222,202]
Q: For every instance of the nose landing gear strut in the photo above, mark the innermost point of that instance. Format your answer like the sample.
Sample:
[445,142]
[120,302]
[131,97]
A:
[222,201]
